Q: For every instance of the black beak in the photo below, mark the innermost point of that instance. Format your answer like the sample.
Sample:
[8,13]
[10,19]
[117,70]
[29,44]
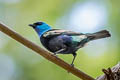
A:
[32,25]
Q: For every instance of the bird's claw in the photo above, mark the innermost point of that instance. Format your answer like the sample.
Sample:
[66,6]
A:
[55,55]
[72,65]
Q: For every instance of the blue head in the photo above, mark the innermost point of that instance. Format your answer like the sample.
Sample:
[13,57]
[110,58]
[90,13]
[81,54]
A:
[40,27]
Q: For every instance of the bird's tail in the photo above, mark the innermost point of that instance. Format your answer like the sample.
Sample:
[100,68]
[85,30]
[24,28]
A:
[98,35]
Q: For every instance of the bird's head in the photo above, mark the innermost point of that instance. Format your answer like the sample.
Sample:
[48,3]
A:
[40,27]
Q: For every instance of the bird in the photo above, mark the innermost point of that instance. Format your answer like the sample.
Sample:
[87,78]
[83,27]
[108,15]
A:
[60,41]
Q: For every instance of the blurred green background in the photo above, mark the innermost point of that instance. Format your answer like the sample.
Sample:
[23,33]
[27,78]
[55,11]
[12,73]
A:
[20,63]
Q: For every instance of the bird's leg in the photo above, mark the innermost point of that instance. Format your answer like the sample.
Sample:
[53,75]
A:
[59,51]
[74,56]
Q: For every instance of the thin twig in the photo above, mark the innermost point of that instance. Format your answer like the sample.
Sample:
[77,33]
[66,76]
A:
[44,53]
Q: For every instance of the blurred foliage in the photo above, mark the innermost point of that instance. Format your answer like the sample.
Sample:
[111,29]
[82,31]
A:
[30,66]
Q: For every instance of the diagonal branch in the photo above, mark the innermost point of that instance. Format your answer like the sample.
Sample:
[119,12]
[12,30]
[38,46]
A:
[47,55]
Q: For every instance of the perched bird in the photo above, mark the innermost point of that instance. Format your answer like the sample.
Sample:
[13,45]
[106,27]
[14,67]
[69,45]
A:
[61,41]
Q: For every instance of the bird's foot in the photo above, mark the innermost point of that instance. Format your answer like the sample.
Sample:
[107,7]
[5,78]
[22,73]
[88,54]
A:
[72,65]
[55,55]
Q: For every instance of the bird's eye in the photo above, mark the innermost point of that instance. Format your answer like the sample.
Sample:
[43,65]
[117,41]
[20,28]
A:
[38,23]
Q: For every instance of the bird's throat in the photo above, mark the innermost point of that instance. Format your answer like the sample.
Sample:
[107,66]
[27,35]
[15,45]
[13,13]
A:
[40,32]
